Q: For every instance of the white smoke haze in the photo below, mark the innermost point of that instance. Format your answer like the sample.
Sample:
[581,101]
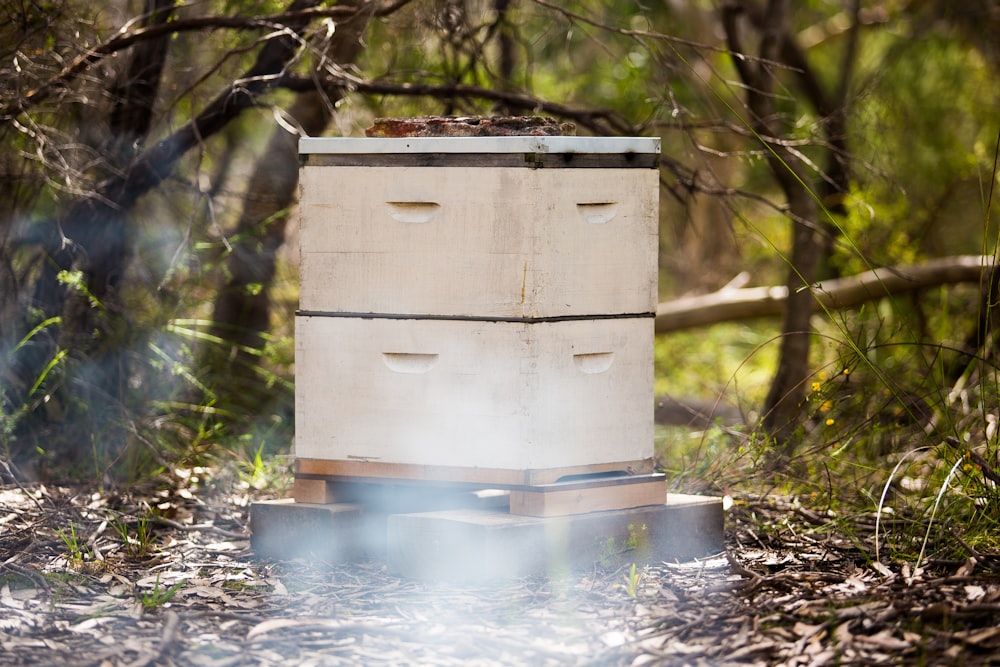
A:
[360,614]
[495,395]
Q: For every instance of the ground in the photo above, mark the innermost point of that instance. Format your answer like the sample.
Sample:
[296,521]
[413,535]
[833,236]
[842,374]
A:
[168,578]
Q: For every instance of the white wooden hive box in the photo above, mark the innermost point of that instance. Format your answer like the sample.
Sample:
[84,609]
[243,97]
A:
[503,242]
[474,394]
[469,308]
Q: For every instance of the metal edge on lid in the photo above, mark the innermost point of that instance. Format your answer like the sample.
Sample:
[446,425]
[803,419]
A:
[479,145]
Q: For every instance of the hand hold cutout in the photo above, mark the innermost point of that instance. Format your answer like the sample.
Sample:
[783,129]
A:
[598,213]
[594,363]
[413,211]
[405,362]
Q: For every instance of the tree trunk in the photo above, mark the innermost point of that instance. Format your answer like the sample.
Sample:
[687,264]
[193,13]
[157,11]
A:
[87,251]
[805,196]
[242,310]
[782,407]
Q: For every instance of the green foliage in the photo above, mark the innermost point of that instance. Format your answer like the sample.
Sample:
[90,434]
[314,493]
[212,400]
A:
[734,357]
[79,552]
[928,153]
[159,596]
[631,584]
[137,544]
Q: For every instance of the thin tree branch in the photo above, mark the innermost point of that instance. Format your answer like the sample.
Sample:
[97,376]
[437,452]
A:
[178,26]
[648,34]
[601,121]
[730,305]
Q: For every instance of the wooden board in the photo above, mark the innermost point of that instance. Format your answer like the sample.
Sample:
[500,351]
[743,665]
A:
[488,242]
[614,493]
[308,469]
[483,147]
[389,497]
[318,491]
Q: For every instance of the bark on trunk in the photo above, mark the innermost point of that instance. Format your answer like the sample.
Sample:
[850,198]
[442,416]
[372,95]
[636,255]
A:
[734,304]
[781,409]
[243,307]
[92,237]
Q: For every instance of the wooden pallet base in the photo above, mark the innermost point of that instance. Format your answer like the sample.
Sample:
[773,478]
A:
[479,543]
[364,470]
[586,493]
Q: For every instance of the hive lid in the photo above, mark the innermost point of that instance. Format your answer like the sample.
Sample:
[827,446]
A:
[479,145]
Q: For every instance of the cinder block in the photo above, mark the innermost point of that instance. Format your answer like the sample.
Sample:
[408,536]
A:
[470,546]
[334,533]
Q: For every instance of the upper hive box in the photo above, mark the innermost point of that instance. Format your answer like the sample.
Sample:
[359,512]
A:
[505,228]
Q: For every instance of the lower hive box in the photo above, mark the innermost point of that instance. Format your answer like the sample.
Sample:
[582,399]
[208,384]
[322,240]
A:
[484,402]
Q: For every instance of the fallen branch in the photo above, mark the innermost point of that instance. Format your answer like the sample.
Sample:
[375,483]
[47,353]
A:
[732,304]
[168,640]
[976,458]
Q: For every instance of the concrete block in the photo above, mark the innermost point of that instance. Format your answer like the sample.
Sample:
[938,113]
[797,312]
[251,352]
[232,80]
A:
[335,533]
[471,546]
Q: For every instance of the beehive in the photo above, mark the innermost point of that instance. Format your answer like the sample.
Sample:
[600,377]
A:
[476,309]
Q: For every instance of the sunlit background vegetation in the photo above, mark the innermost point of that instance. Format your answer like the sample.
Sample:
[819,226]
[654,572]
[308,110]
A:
[136,375]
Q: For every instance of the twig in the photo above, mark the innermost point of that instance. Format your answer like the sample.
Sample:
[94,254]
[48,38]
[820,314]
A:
[15,476]
[988,472]
[170,523]
[755,579]
[26,573]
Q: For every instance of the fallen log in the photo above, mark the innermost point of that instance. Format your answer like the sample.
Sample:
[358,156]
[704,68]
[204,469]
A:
[742,303]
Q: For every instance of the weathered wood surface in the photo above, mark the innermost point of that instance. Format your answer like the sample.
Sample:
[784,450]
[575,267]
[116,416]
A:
[481,395]
[489,242]
[362,470]
[469,126]
[568,498]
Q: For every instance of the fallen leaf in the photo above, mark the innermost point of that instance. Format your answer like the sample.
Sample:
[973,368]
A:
[805,629]
[273,624]
[883,570]
[973,592]
[967,567]
[8,600]
[883,640]
[978,636]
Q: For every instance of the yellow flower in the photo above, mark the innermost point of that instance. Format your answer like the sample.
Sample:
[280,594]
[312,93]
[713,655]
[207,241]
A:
[816,386]
[829,422]
[825,407]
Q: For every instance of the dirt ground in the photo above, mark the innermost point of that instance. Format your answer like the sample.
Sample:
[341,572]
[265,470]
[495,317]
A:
[99,579]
